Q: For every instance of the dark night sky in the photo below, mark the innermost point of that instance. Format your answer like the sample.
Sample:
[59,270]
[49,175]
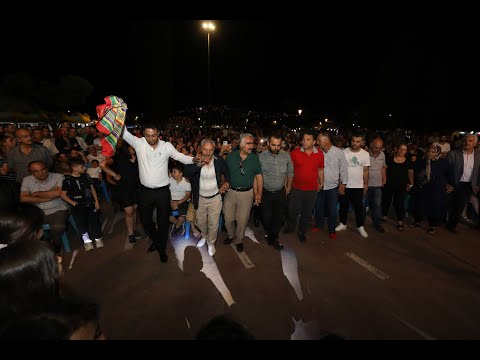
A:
[420,69]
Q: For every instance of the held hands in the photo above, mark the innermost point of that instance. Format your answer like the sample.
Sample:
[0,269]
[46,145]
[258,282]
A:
[258,200]
[224,188]
[341,189]
[449,188]
[117,177]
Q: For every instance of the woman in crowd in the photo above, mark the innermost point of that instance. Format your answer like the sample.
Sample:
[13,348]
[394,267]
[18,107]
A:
[399,182]
[431,178]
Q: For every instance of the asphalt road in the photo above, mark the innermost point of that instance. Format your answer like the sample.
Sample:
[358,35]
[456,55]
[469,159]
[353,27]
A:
[397,285]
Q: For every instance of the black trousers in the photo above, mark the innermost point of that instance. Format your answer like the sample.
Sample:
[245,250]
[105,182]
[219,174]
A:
[355,196]
[302,201]
[159,199]
[87,221]
[458,199]
[398,196]
[272,208]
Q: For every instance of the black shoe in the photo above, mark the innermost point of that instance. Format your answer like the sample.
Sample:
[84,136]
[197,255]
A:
[137,235]
[163,256]
[452,229]
[227,240]
[240,247]
[132,239]
[152,247]
[288,230]
[277,245]
[268,238]
[380,229]
[302,237]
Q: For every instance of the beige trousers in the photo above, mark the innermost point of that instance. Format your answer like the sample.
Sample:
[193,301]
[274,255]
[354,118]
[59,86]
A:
[208,216]
[236,212]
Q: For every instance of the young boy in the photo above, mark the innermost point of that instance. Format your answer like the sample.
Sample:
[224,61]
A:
[180,190]
[78,191]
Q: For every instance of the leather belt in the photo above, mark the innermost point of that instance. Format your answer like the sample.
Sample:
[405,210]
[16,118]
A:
[209,197]
[273,192]
[241,189]
[158,188]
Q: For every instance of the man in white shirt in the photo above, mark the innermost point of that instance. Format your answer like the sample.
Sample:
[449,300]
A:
[444,145]
[153,155]
[358,161]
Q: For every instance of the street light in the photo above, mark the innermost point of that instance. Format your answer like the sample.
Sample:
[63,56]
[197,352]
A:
[208,26]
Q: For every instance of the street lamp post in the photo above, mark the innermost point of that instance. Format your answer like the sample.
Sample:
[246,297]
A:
[208,26]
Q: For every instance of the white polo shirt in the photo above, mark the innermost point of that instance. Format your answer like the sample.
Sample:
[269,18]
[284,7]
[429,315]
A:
[179,190]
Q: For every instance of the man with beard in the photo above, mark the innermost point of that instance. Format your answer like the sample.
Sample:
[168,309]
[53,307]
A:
[153,156]
[277,169]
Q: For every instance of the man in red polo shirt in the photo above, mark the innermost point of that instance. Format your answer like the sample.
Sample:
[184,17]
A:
[308,164]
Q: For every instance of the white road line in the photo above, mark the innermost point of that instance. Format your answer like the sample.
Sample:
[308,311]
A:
[417,330]
[104,223]
[367,266]
[243,257]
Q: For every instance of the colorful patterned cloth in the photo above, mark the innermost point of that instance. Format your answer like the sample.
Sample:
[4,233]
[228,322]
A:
[112,119]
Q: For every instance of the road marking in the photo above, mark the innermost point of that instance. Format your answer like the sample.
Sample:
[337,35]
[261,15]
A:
[417,330]
[243,257]
[367,266]
[104,223]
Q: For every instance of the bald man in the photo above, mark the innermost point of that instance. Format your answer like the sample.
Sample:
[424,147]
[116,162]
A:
[377,177]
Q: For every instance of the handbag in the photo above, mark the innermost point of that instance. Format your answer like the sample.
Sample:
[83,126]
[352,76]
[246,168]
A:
[190,213]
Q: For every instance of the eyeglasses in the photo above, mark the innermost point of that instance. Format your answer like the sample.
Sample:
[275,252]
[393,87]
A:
[241,168]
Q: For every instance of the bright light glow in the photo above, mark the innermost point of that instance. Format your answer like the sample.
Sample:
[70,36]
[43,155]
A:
[326,120]
[300,111]
[390,115]
[353,124]
[208,26]
[274,122]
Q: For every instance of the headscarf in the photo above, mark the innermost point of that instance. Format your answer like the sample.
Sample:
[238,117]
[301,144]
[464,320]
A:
[438,152]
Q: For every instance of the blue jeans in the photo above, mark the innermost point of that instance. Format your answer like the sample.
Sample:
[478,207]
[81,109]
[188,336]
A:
[375,204]
[326,200]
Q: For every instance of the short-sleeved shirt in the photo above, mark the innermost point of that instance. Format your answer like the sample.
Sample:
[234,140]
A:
[251,167]
[30,184]
[79,189]
[18,160]
[397,173]
[179,190]
[375,169]
[275,169]
[356,161]
[306,168]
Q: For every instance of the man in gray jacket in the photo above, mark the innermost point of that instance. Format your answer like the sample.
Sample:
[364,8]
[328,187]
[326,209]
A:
[463,178]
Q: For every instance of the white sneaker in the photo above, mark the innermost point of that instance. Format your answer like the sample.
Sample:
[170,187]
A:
[99,242]
[211,249]
[201,242]
[341,227]
[362,232]
[88,246]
